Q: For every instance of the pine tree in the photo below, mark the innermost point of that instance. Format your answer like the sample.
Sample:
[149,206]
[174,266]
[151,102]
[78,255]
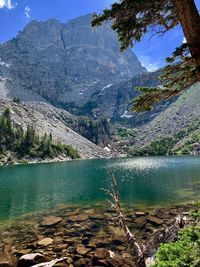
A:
[132,19]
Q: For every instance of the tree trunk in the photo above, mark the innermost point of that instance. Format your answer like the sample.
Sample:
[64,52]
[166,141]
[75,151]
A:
[190,21]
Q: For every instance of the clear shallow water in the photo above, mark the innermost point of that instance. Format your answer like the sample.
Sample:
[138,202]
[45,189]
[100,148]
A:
[142,181]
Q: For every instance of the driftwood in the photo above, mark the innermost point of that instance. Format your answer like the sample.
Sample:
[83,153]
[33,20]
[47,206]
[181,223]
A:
[144,254]
[135,245]
[50,263]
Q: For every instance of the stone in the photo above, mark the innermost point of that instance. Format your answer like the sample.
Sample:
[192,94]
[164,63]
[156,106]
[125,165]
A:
[45,242]
[140,222]
[50,221]
[101,253]
[24,251]
[31,259]
[141,213]
[81,262]
[80,217]
[154,220]
[82,250]
[69,260]
[57,240]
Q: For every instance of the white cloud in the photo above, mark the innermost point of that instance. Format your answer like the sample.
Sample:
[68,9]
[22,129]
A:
[184,40]
[7,4]
[148,63]
[27,12]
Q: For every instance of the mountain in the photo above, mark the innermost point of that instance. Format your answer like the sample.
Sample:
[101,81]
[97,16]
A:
[82,70]
[47,119]
[67,64]
[174,130]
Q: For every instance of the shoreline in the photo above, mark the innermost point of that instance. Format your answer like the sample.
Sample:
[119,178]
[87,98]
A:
[67,159]
[15,161]
[81,233]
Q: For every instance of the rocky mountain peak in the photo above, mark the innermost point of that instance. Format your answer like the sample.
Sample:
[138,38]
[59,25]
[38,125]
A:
[65,63]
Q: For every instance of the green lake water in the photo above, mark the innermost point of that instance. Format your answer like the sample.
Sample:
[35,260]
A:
[145,182]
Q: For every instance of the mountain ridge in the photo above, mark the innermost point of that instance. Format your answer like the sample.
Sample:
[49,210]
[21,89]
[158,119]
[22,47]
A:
[65,63]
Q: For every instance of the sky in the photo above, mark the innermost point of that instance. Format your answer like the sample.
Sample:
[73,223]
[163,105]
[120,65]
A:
[15,14]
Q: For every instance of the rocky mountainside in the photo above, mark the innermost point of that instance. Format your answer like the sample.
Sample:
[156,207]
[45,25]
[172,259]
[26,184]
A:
[68,64]
[47,119]
[82,70]
[177,127]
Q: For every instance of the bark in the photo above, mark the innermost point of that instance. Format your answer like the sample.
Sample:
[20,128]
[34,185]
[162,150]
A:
[190,21]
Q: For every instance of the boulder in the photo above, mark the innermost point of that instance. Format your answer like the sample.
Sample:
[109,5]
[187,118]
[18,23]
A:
[154,220]
[101,253]
[31,259]
[45,242]
[82,250]
[140,222]
[50,221]
[141,213]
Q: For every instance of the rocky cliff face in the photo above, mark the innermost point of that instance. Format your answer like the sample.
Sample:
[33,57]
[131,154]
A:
[68,64]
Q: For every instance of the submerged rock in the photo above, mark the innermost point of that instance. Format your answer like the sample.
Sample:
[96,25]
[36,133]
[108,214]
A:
[82,250]
[31,259]
[51,220]
[155,220]
[45,242]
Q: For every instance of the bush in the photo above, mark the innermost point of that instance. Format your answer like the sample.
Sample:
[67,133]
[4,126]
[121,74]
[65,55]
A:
[184,252]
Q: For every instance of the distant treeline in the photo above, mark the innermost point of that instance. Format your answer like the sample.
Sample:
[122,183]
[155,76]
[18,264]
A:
[27,142]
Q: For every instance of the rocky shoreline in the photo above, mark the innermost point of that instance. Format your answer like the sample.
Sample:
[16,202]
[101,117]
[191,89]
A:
[5,161]
[83,235]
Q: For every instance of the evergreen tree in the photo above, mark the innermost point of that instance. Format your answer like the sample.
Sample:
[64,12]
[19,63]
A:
[28,143]
[132,19]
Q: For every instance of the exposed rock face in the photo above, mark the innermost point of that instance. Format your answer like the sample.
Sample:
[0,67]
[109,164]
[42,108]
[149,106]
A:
[181,115]
[65,63]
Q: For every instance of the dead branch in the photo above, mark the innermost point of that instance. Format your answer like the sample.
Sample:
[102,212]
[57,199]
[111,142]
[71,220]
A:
[167,235]
[145,255]
[50,263]
[138,248]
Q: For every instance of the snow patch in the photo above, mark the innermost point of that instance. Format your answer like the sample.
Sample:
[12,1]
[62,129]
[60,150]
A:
[106,87]
[3,63]
[126,115]
[107,149]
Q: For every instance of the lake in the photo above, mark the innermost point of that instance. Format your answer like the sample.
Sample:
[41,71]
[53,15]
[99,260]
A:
[143,182]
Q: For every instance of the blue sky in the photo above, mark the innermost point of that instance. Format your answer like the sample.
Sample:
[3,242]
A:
[15,14]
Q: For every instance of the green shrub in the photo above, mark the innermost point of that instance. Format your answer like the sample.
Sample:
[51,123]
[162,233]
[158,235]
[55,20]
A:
[184,252]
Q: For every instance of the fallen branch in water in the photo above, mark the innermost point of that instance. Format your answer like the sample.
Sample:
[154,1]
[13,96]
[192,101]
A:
[144,254]
[138,248]
[50,263]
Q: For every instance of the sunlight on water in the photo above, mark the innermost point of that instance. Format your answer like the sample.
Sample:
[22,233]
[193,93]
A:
[153,181]
[142,164]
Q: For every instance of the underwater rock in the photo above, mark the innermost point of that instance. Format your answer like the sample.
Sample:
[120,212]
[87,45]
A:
[155,220]
[51,220]
[31,259]
[45,242]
